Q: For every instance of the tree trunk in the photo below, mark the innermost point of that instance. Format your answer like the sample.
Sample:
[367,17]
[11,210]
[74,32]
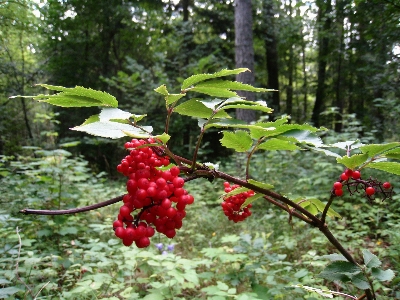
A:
[339,78]
[324,9]
[244,53]
[271,51]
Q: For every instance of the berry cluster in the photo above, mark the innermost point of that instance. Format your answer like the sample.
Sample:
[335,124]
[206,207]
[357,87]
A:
[232,204]
[352,179]
[157,196]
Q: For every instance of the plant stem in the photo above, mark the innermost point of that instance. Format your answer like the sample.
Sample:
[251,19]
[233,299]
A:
[28,211]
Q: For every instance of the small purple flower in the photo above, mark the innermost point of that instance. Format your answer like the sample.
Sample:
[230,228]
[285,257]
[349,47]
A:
[171,247]
[159,246]
[164,252]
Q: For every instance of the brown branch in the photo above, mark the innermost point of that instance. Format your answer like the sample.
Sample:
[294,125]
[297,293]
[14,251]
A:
[28,211]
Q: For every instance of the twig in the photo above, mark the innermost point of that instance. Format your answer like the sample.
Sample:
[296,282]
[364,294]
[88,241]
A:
[17,264]
[28,211]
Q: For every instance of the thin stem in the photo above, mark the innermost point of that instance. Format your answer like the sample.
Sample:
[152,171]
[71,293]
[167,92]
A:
[28,211]
[323,217]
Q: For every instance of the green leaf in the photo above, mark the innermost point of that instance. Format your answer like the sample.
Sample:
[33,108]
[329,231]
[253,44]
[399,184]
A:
[77,97]
[265,130]
[239,140]
[370,260]
[390,167]
[334,257]
[92,119]
[162,89]
[360,281]
[235,192]
[172,98]
[353,161]
[138,118]
[382,275]
[202,77]
[277,144]
[107,114]
[309,207]
[340,270]
[231,85]
[303,136]
[212,104]
[321,206]
[8,291]
[376,149]
[195,108]
[215,92]
[251,200]
[253,105]
[262,185]
[233,123]
[164,138]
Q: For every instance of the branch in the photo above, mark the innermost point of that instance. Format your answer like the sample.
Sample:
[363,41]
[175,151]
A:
[28,211]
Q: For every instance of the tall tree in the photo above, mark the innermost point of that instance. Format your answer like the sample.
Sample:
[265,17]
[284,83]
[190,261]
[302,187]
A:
[244,52]
[324,21]
[271,52]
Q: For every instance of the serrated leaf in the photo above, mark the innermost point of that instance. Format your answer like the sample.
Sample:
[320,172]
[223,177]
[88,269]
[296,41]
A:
[107,114]
[370,260]
[326,152]
[233,123]
[353,161]
[360,281]
[113,130]
[239,140]
[202,77]
[276,144]
[262,185]
[232,85]
[235,192]
[392,155]
[303,136]
[164,138]
[172,98]
[251,200]
[382,275]
[211,104]
[195,108]
[91,119]
[138,118]
[321,206]
[260,131]
[253,105]
[215,92]
[345,145]
[79,97]
[334,257]
[340,270]
[375,149]
[390,167]
[162,89]
[309,207]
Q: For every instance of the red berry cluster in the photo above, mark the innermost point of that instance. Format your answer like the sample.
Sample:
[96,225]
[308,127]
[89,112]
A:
[232,204]
[353,179]
[157,196]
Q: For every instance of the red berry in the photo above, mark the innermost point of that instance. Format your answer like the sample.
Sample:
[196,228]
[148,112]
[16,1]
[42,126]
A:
[178,182]
[370,191]
[386,185]
[344,177]
[337,185]
[356,175]
[348,172]
[339,192]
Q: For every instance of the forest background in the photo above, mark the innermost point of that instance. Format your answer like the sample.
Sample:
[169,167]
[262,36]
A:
[334,63]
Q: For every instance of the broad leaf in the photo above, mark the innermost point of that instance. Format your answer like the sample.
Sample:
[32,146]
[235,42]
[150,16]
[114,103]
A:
[277,144]
[390,167]
[251,200]
[303,136]
[259,131]
[382,275]
[195,108]
[345,145]
[253,105]
[375,149]
[162,89]
[370,260]
[172,98]
[215,92]
[164,138]
[340,270]
[202,77]
[107,114]
[262,185]
[353,161]
[231,85]
[321,206]
[334,257]
[233,123]
[235,192]
[239,140]
[77,97]
[212,104]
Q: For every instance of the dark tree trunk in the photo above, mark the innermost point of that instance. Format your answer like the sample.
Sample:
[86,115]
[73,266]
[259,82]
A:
[244,53]
[324,23]
[339,78]
[271,51]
